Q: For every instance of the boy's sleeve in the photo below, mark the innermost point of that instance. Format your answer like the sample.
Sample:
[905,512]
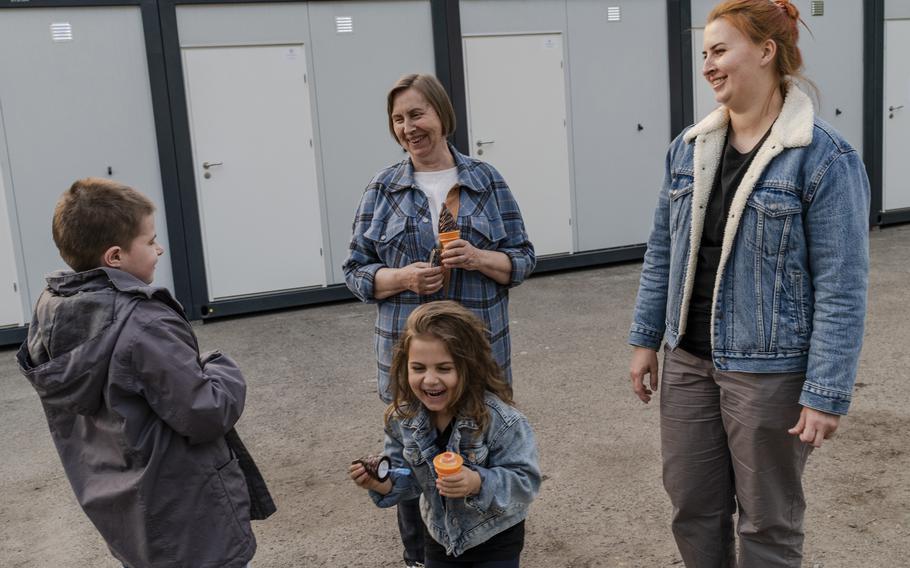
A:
[404,486]
[515,479]
[201,399]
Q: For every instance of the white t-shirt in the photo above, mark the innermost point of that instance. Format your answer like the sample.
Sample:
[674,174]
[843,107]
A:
[436,186]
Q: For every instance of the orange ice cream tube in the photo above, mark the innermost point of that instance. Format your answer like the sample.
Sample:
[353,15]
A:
[447,463]
[447,237]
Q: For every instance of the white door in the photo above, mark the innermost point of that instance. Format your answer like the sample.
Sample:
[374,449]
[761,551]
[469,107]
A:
[255,168]
[10,301]
[517,123]
[704,95]
[896,174]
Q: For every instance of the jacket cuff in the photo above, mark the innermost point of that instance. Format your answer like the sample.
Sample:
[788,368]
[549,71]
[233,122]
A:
[362,282]
[825,400]
[401,486]
[482,501]
[521,266]
[641,336]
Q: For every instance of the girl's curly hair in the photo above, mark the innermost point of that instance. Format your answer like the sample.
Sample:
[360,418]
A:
[465,338]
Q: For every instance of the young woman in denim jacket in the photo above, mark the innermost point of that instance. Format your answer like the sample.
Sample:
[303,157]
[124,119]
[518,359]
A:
[449,394]
[396,228]
[755,275]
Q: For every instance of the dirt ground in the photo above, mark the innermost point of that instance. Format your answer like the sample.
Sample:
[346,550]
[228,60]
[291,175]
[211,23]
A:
[312,408]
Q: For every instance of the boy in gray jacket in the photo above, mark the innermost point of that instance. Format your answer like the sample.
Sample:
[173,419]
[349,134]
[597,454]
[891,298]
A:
[138,416]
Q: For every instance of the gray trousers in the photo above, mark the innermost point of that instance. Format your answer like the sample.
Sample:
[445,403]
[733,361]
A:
[725,447]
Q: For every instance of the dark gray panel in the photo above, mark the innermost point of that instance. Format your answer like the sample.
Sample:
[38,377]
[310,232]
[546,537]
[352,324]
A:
[619,80]
[352,74]
[72,109]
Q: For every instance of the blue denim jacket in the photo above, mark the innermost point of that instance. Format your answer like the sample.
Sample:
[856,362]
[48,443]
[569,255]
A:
[790,294]
[392,229]
[505,456]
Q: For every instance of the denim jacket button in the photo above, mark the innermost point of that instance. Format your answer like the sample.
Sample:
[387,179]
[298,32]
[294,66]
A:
[425,220]
[382,238]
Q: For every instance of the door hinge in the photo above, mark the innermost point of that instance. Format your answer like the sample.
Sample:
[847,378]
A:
[304,77]
[15,287]
[320,252]
[311,142]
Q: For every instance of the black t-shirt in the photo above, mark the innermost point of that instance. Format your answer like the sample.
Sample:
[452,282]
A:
[730,173]
[502,546]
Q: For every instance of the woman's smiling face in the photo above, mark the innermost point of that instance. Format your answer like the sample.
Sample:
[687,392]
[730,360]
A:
[418,128]
[733,64]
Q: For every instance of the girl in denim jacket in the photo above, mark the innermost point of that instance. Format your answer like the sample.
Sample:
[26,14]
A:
[449,395]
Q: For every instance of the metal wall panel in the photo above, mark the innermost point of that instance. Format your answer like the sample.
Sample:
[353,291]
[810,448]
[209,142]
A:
[352,74]
[618,79]
[74,108]
[621,117]
[897,9]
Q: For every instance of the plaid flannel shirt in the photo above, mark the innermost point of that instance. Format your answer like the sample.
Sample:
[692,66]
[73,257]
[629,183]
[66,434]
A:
[392,228]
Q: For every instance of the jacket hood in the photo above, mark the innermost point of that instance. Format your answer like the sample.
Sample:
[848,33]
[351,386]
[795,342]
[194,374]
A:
[77,321]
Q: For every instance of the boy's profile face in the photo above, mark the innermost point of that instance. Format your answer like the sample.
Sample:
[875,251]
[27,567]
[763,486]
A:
[141,256]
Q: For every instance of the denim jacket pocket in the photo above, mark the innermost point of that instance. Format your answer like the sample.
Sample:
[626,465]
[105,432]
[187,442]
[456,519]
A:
[390,239]
[679,204]
[768,219]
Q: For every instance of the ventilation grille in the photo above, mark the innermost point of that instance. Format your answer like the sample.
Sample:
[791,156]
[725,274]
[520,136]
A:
[614,14]
[817,8]
[62,32]
[344,24]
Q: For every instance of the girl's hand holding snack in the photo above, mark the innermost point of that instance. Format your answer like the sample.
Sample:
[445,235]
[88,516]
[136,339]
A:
[360,476]
[465,483]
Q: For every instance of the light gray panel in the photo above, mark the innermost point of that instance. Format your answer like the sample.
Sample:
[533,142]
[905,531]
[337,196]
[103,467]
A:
[700,11]
[897,9]
[72,109]
[352,74]
[833,59]
[239,24]
[512,16]
[620,79]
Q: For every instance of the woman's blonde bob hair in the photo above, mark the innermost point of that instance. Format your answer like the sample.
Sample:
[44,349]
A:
[435,94]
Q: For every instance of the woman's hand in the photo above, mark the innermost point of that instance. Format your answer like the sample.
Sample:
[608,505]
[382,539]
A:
[360,476]
[644,362]
[419,277]
[815,426]
[465,483]
[461,254]
[492,263]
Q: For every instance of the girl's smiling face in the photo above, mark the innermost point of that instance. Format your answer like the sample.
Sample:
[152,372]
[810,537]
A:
[432,376]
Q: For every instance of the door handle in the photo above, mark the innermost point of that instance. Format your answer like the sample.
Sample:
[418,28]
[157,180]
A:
[484,142]
[207,165]
[894,108]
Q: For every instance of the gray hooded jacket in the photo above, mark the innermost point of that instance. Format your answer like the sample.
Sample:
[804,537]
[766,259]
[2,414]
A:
[139,419]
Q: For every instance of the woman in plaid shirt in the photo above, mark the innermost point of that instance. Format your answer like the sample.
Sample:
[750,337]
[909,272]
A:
[395,233]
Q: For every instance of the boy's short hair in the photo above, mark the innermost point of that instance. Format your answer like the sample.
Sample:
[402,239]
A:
[95,214]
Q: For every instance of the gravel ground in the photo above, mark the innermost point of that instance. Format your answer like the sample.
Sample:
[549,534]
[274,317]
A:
[312,408]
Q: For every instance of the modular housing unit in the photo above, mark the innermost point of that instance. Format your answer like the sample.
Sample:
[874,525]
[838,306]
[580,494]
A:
[255,125]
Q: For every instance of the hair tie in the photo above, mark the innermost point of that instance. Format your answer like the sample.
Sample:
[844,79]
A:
[785,5]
